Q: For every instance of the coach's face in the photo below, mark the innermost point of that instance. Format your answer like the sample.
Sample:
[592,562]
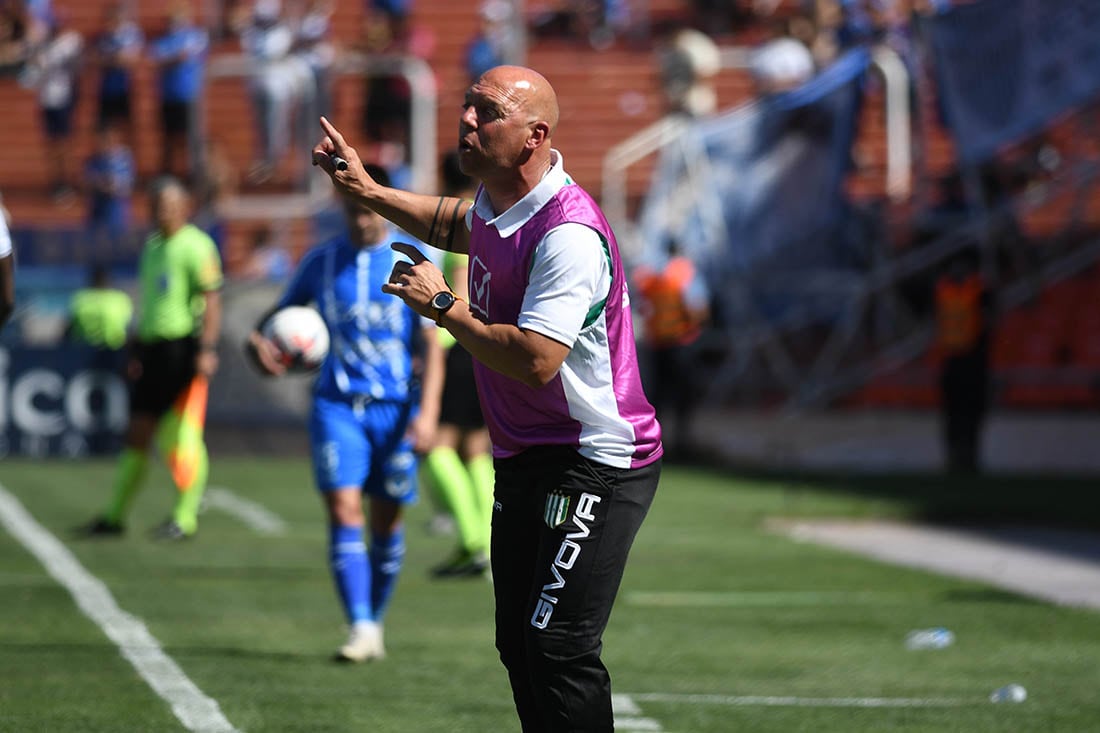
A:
[494,125]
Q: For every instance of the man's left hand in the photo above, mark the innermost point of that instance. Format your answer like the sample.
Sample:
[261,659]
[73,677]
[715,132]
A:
[415,282]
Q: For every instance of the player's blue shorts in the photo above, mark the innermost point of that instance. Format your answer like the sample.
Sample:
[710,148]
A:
[362,443]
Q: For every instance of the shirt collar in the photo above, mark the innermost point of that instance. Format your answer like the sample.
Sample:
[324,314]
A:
[509,222]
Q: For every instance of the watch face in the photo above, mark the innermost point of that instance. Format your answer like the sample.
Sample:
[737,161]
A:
[442,300]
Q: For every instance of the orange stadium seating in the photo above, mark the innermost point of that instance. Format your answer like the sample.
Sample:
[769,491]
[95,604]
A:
[605,96]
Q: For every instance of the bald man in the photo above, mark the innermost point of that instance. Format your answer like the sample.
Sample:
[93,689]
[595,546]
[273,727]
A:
[172,357]
[576,445]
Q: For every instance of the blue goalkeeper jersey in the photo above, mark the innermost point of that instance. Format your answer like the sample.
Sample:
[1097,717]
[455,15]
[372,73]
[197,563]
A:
[372,334]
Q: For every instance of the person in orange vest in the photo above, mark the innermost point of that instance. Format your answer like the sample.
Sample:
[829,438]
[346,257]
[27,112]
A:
[963,326]
[674,306]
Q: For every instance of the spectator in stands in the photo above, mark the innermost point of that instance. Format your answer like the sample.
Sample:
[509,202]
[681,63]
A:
[311,42]
[674,305]
[387,22]
[13,36]
[267,40]
[109,178]
[235,17]
[494,43]
[117,51]
[780,65]
[387,106]
[267,257]
[594,21]
[39,16]
[963,317]
[7,269]
[218,182]
[180,55]
[722,17]
[52,72]
[281,83]
[688,65]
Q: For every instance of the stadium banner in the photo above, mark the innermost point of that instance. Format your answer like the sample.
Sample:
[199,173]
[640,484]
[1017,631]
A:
[759,190]
[61,399]
[66,400]
[1005,68]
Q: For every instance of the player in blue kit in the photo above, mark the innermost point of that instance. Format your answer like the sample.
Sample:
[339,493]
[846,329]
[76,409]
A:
[372,412]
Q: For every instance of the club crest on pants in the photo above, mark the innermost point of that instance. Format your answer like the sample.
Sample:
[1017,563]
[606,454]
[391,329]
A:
[557,509]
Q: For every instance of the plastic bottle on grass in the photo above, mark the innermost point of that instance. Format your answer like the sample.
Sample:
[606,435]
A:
[936,638]
[1009,693]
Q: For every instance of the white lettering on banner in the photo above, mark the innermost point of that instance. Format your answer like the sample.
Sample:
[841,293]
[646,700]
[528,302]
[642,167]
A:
[78,401]
[26,413]
[566,558]
[43,404]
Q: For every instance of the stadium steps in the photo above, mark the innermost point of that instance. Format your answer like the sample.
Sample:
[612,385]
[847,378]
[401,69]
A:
[605,96]
[1044,354]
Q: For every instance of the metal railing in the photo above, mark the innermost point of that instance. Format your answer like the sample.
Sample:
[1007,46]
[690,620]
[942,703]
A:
[884,61]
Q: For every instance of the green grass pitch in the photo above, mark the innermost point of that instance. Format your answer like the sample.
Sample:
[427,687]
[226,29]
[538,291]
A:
[720,625]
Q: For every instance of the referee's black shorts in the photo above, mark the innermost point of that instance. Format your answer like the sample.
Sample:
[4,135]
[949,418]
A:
[459,405]
[167,368]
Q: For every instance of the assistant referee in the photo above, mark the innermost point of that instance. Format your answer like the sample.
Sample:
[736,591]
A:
[173,356]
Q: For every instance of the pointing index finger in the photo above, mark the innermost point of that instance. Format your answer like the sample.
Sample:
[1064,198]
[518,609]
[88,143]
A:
[338,141]
[409,251]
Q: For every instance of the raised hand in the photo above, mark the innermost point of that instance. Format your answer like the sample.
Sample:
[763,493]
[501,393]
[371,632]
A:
[341,162]
[415,282]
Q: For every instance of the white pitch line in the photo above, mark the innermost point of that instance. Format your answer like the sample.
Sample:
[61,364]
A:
[255,515]
[700,599]
[627,717]
[195,710]
[791,701]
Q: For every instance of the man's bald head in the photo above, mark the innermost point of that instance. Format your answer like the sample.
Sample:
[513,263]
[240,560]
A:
[505,130]
[528,90]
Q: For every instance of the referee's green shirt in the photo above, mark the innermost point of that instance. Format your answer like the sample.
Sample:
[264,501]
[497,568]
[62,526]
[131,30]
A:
[174,273]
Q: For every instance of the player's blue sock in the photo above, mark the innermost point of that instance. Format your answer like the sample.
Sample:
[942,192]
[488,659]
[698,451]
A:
[348,559]
[386,557]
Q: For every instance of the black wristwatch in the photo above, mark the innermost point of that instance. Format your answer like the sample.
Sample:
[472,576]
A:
[442,302]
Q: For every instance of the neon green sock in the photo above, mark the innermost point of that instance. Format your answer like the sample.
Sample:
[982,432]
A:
[128,475]
[483,479]
[186,512]
[435,496]
[453,482]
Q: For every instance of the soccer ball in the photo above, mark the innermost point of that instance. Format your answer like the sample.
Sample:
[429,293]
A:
[301,337]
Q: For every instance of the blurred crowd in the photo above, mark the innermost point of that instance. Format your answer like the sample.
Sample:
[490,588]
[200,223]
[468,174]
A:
[292,60]
[292,56]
